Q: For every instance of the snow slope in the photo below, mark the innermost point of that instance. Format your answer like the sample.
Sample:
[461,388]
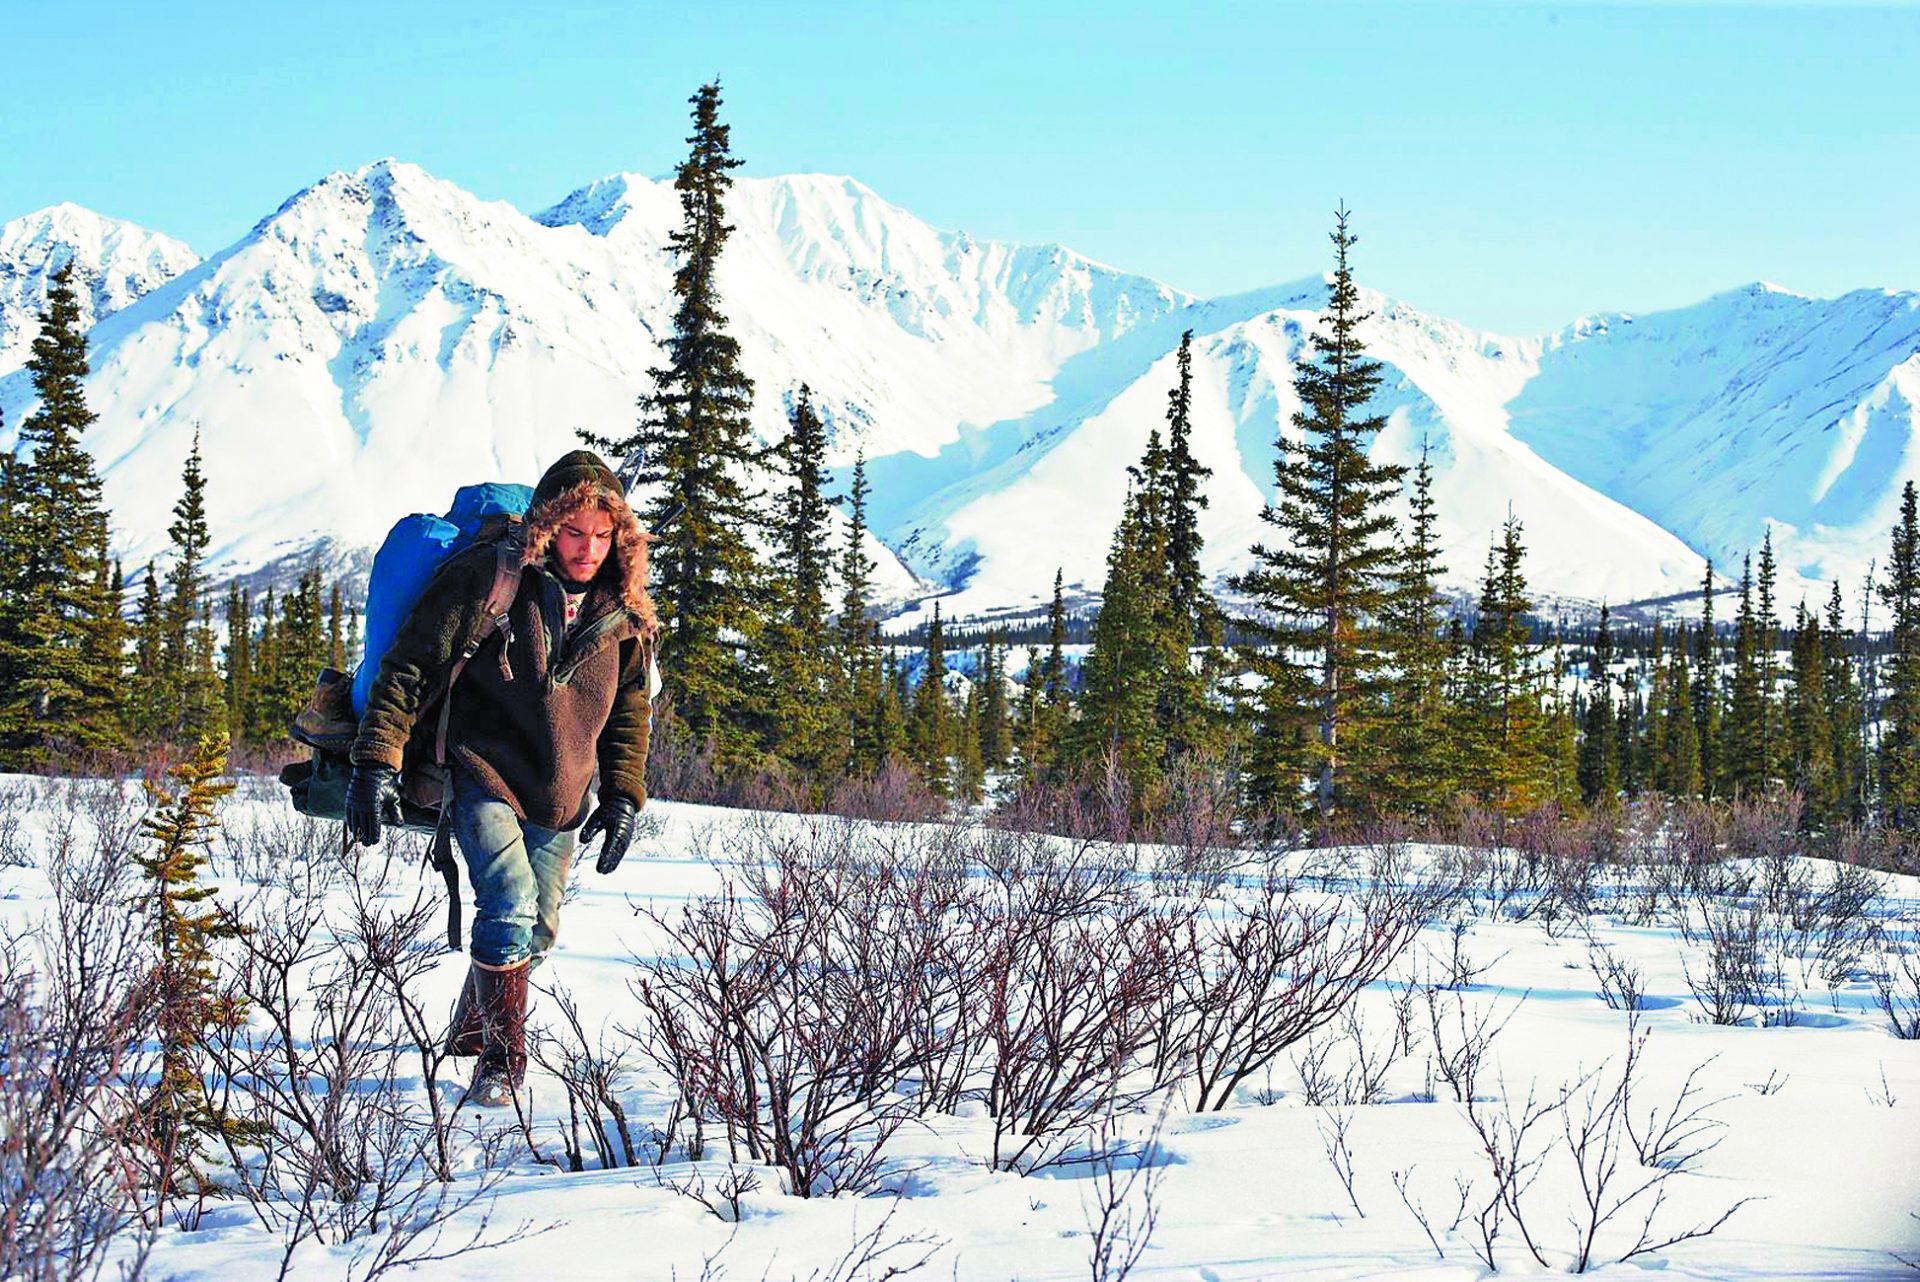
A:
[115,263]
[1758,408]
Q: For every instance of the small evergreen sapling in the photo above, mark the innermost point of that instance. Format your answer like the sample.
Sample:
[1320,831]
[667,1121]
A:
[177,1118]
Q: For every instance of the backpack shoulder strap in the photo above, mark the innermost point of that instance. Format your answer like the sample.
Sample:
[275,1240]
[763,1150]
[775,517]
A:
[495,612]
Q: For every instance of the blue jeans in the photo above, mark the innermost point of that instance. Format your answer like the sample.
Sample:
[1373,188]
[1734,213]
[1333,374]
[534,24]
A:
[518,871]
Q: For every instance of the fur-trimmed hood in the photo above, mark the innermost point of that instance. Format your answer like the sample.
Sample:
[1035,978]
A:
[625,569]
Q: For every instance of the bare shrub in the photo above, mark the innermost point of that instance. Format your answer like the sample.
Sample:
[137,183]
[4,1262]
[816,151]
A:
[590,1068]
[347,1158]
[1072,989]
[1276,965]
[1897,980]
[1729,983]
[783,1008]
[1621,984]
[72,1023]
[892,793]
[1123,1204]
[1620,1157]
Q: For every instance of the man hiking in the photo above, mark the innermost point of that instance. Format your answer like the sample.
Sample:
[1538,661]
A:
[558,688]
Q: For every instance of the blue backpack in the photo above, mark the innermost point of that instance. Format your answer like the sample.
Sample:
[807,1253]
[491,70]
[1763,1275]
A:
[413,550]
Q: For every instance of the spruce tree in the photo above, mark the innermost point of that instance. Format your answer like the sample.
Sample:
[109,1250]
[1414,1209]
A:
[1845,718]
[265,654]
[1745,731]
[1772,750]
[336,629]
[1599,772]
[890,710]
[1706,695]
[930,732]
[806,720]
[970,770]
[694,444]
[1406,767]
[1030,727]
[1134,647]
[149,704]
[1678,771]
[178,1117]
[1899,755]
[239,658]
[1054,675]
[60,692]
[1047,731]
[996,728]
[1193,615]
[1334,568]
[1507,729]
[1809,734]
[192,688]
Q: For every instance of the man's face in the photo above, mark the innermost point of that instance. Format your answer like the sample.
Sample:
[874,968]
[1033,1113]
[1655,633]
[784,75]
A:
[583,542]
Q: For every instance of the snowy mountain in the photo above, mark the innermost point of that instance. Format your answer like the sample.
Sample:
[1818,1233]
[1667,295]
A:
[1757,408]
[115,263]
[384,336]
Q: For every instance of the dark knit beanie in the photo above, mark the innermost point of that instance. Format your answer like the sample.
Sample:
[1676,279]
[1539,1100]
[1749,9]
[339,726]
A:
[573,468]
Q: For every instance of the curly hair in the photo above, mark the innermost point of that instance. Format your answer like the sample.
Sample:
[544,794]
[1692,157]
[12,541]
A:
[627,564]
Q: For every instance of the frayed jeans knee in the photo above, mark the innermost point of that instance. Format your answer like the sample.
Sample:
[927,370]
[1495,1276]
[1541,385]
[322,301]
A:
[518,871]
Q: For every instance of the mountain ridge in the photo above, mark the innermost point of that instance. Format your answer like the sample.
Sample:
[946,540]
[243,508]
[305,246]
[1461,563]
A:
[404,331]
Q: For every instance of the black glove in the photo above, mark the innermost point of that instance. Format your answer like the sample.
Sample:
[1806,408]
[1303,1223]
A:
[614,816]
[373,798]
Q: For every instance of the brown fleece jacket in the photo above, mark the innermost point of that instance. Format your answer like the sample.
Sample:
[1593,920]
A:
[537,707]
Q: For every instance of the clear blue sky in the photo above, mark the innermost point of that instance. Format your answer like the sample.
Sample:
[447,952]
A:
[1510,165]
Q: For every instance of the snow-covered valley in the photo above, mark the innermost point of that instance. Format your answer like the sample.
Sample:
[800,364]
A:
[1526,987]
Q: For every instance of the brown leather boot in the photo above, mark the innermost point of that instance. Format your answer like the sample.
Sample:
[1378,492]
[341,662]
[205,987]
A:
[464,1035]
[502,1071]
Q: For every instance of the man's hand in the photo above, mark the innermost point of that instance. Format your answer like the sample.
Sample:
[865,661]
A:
[614,816]
[373,798]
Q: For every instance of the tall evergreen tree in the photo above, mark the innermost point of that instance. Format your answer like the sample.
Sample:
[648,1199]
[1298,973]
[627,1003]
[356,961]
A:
[1845,718]
[860,678]
[1809,734]
[1136,645]
[1507,730]
[930,732]
[58,690]
[996,727]
[239,658]
[1334,569]
[1406,767]
[1772,750]
[149,704]
[1192,615]
[1047,730]
[192,687]
[805,713]
[1745,731]
[1599,772]
[970,770]
[1899,755]
[694,443]
[1677,772]
[1706,695]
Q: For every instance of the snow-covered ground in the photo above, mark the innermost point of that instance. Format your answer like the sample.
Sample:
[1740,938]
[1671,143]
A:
[1815,1118]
